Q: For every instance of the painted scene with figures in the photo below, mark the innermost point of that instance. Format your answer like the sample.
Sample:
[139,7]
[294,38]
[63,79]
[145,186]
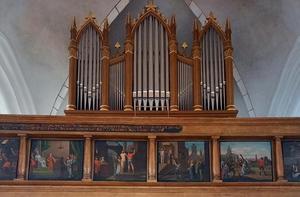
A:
[9,153]
[291,158]
[183,161]
[56,159]
[246,161]
[120,160]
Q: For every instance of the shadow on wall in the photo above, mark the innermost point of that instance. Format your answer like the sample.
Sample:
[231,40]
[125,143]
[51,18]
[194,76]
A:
[286,100]
[15,97]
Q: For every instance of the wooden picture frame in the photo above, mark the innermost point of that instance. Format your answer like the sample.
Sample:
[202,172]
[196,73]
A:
[120,160]
[247,160]
[183,160]
[9,155]
[291,159]
[55,159]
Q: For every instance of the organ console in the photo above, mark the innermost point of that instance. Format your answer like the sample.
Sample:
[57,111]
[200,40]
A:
[151,75]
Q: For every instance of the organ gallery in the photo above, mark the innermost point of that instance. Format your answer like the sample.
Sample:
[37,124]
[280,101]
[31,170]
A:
[144,115]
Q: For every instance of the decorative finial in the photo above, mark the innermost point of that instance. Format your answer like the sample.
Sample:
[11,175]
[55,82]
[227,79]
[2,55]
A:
[90,16]
[117,45]
[73,30]
[211,16]
[105,23]
[74,22]
[228,25]
[173,20]
[196,24]
[228,29]
[184,45]
[128,19]
[150,6]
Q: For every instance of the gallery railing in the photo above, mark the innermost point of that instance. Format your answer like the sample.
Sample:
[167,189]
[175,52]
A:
[177,151]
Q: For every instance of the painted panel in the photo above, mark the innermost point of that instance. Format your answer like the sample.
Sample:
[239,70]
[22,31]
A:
[9,154]
[246,161]
[120,160]
[56,159]
[183,161]
[291,158]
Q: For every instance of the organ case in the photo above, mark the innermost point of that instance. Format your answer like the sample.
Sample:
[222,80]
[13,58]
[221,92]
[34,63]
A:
[151,75]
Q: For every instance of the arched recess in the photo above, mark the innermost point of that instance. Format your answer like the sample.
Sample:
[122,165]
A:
[286,100]
[15,96]
[151,62]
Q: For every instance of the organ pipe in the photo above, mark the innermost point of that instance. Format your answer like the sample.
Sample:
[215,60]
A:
[151,66]
[213,72]
[88,70]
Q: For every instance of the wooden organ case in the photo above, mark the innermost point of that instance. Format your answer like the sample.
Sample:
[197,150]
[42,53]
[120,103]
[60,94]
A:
[152,113]
[151,76]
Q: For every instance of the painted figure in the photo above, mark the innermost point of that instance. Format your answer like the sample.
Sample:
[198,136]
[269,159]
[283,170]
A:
[97,164]
[261,166]
[130,157]
[33,162]
[162,155]
[69,164]
[51,162]
[41,160]
[118,170]
[123,156]
[295,172]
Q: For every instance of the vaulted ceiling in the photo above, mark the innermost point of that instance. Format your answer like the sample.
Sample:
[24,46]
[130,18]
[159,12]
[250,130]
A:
[34,37]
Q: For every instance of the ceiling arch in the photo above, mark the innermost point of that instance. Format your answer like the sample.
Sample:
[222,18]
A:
[15,96]
[286,100]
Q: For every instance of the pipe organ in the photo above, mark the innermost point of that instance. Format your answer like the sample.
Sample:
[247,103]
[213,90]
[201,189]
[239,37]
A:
[149,119]
[150,75]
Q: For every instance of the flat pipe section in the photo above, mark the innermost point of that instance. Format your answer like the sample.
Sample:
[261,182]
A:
[135,70]
[213,72]
[79,62]
[203,73]
[167,73]
[150,61]
[117,86]
[151,67]
[156,67]
[89,71]
[185,85]
[163,68]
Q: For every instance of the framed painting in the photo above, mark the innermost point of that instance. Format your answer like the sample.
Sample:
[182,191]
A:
[246,161]
[118,160]
[56,159]
[291,159]
[9,154]
[183,161]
